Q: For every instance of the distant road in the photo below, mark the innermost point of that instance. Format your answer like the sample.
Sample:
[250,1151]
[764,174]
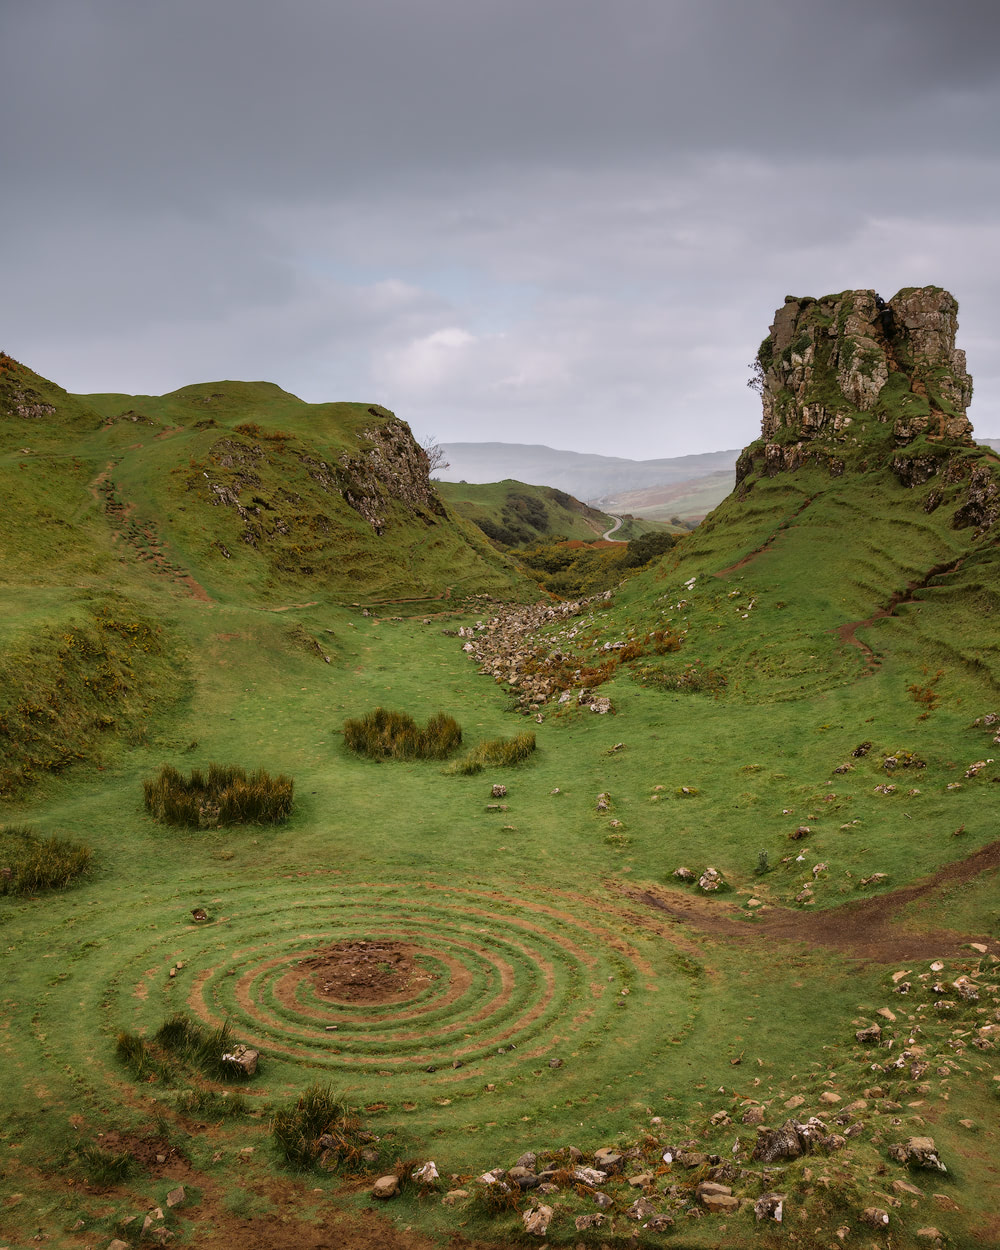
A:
[614,529]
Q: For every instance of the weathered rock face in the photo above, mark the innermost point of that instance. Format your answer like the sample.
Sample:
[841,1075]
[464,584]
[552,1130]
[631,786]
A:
[831,367]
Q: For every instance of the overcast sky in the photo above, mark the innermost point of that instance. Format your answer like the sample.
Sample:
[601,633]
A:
[552,221]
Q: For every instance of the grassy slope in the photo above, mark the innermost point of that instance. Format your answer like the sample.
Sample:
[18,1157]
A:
[555,512]
[536,890]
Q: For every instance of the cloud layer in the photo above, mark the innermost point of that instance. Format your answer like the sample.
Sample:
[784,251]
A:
[566,223]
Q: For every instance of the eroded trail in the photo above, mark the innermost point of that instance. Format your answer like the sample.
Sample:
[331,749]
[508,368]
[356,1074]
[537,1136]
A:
[866,930]
[847,633]
[766,544]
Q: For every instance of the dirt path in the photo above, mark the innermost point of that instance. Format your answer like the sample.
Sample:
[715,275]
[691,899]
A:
[865,930]
[847,633]
[752,555]
[145,544]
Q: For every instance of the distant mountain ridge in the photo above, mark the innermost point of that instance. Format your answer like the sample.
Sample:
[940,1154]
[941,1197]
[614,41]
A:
[588,476]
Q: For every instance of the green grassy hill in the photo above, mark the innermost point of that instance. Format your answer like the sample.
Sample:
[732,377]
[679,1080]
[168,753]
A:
[515,514]
[794,694]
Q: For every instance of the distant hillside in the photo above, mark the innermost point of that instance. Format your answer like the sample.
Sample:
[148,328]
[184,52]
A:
[514,513]
[687,501]
[586,476]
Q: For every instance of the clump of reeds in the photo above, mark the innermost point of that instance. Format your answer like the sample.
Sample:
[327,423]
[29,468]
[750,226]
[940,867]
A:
[386,735]
[317,1127]
[227,795]
[30,862]
[495,753]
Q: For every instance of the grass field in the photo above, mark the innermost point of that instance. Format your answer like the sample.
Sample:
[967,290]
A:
[541,980]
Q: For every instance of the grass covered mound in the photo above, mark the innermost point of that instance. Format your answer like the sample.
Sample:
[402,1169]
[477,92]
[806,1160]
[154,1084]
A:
[495,753]
[29,862]
[386,735]
[228,795]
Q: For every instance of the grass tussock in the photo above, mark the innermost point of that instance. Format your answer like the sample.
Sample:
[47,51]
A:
[318,1128]
[181,1045]
[386,735]
[495,753]
[105,1168]
[212,1104]
[30,863]
[227,795]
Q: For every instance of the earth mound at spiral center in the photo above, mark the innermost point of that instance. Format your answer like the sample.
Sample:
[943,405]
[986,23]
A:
[367,972]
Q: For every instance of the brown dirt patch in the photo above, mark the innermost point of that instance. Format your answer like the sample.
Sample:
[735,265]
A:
[154,1154]
[865,930]
[367,972]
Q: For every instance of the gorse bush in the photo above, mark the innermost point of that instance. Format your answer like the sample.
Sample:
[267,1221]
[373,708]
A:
[29,862]
[228,795]
[495,753]
[386,735]
[318,1127]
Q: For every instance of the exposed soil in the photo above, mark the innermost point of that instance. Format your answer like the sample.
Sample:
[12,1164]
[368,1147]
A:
[864,930]
[367,972]
[154,1154]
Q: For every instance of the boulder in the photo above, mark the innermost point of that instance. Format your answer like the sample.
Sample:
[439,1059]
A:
[641,1209]
[870,1036]
[385,1187]
[244,1058]
[710,879]
[426,1174]
[917,1152]
[176,1197]
[583,1222]
[875,1217]
[685,875]
[523,1178]
[454,1196]
[659,1223]
[498,792]
[777,1143]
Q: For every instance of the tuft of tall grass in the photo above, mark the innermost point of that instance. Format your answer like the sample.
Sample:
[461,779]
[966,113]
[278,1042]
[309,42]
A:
[228,795]
[29,862]
[387,735]
[192,1044]
[106,1167]
[319,1126]
[213,1103]
[495,753]
[181,1043]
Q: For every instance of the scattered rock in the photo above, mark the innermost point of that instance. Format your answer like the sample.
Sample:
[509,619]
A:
[710,879]
[770,1207]
[684,874]
[176,1197]
[608,1159]
[385,1187]
[537,1221]
[595,1220]
[869,1036]
[426,1174]
[641,1209]
[876,1217]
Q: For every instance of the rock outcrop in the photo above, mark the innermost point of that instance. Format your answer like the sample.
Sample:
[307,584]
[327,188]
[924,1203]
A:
[835,371]
[853,383]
